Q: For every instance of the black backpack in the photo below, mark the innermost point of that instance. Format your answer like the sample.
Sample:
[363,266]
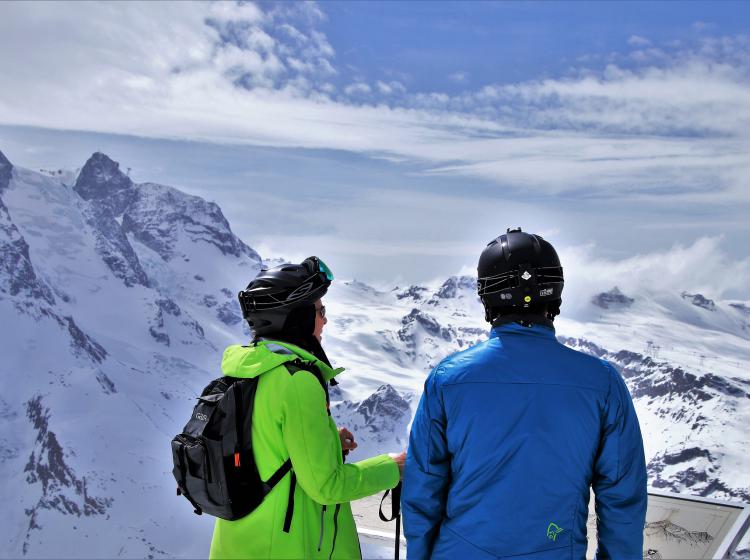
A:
[213,456]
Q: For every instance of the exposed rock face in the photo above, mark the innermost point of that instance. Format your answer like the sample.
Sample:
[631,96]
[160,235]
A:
[229,312]
[699,301]
[108,192]
[166,307]
[413,292]
[113,245]
[17,275]
[427,322]
[455,285]
[612,299]
[384,405]
[6,170]
[379,420]
[61,488]
[82,343]
[101,180]
[160,215]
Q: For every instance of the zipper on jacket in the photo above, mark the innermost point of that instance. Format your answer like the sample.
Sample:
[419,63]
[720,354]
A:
[335,529]
[322,513]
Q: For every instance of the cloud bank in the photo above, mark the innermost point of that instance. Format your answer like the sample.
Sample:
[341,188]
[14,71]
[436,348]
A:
[657,121]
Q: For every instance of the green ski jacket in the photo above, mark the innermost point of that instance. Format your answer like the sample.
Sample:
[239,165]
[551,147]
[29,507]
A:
[291,421]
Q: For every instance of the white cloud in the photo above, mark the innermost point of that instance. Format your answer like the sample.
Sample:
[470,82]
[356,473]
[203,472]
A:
[638,41]
[293,33]
[357,88]
[459,77]
[692,268]
[390,88]
[703,26]
[677,123]
[233,11]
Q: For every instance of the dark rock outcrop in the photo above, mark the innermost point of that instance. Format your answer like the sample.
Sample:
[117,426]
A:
[412,292]
[113,245]
[167,307]
[160,214]
[384,404]
[612,299]
[101,180]
[229,312]
[455,285]
[6,171]
[426,321]
[699,301]
[61,488]
[107,192]
[17,275]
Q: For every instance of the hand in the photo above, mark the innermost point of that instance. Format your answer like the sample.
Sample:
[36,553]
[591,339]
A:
[347,440]
[400,459]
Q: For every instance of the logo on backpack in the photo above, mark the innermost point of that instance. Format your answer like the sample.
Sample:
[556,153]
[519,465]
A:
[200,416]
[553,529]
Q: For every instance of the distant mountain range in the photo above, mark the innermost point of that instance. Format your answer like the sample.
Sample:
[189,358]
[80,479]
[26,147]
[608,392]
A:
[117,299]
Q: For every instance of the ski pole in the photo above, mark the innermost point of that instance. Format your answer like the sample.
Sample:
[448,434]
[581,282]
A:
[395,514]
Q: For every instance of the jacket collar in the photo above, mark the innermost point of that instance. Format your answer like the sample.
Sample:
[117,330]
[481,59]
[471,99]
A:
[538,330]
[250,361]
[293,351]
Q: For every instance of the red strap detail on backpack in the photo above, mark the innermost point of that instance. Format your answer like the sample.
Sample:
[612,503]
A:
[237,460]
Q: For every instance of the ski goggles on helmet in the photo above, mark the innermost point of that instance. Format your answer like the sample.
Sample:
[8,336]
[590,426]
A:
[317,266]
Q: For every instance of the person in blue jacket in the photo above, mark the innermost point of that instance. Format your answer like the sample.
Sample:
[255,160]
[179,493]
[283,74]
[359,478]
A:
[510,435]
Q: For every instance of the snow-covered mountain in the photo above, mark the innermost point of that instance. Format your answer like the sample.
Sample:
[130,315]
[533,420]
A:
[117,298]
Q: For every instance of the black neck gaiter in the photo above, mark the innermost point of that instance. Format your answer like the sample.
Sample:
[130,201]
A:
[298,330]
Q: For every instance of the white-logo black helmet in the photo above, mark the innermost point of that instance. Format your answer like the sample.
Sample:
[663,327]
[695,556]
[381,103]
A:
[275,292]
[518,270]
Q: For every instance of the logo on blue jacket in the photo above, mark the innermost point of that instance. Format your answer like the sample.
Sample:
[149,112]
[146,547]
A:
[553,529]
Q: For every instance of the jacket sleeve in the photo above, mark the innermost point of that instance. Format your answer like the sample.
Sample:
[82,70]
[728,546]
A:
[315,449]
[620,479]
[427,473]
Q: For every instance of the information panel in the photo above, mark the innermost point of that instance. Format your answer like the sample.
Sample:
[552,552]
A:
[685,527]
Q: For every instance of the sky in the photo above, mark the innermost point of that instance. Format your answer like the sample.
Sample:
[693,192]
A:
[395,139]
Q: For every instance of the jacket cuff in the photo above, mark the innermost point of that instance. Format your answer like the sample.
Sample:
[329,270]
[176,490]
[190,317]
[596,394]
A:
[384,471]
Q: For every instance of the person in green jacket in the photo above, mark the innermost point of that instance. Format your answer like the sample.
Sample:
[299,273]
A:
[291,420]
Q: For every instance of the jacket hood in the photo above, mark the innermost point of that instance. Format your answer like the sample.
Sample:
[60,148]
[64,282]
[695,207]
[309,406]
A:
[250,361]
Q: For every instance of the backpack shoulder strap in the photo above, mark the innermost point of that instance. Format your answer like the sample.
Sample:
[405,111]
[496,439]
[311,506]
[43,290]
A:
[301,365]
[219,385]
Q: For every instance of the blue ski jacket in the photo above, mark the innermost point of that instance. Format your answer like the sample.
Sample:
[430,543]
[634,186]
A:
[508,438]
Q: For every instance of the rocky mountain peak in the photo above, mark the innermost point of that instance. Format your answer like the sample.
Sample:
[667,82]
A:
[385,403]
[6,169]
[454,285]
[612,298]
[413,292]
[699,300]
[100,178]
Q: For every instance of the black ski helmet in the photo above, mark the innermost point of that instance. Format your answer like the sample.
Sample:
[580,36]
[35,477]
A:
[517,271]
[275,292]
